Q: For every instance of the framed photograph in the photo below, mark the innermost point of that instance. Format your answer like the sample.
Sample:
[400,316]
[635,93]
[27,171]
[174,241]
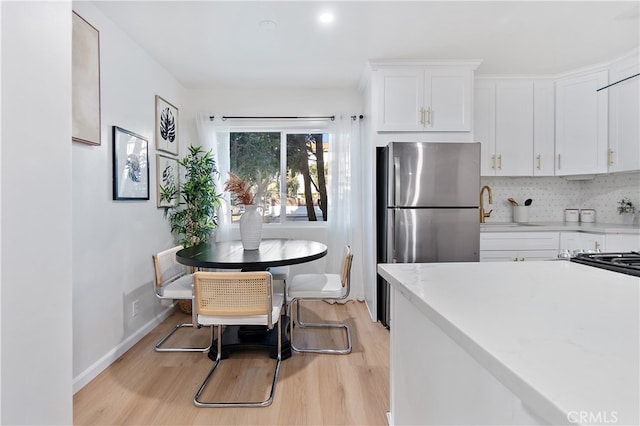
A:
[167,180]
[85,82]
[130,165]
[166,126]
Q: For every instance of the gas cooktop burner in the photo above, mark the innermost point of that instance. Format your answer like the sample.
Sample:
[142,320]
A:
[626,263]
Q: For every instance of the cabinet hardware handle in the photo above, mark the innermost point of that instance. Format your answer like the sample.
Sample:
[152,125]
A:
[422,115]
[522,259]
[500,162]
[538,160]
[558,161]
[610,156]
[493,162]
[429,115]
[597,245]
[515,259]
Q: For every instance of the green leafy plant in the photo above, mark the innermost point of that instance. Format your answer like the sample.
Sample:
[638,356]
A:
[194,217]
[625,206]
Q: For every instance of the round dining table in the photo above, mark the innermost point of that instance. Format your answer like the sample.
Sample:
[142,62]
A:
[270,254]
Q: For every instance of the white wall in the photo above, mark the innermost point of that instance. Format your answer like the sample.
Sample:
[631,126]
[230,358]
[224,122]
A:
[113,241]
[36,222]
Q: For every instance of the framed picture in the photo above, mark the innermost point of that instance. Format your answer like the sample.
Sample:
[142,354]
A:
[85,82]
[130,165]
[167,180]
[166,126]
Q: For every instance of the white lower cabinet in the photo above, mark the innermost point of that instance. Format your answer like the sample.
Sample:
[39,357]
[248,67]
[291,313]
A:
[517,255]
[545,245]
[518,246]
[582,241]
[622,242]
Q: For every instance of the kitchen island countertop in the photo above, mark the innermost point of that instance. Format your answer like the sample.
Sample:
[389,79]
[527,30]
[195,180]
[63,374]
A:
[562,337]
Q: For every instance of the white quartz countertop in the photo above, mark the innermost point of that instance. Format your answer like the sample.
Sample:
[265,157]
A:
[563,337]
[596,227]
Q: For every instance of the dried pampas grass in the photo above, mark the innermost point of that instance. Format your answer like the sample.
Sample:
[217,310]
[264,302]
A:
[239,188]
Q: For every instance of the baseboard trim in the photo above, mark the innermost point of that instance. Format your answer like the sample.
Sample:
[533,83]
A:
[110,357]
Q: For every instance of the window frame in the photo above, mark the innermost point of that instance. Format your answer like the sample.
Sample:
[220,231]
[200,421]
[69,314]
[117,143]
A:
[284,130]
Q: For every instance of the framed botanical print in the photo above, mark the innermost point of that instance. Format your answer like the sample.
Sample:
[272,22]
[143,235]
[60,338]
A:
[85,82]
[130,165]
[167,181]
[166,126]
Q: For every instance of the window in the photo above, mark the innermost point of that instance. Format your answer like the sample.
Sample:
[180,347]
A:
[292,168]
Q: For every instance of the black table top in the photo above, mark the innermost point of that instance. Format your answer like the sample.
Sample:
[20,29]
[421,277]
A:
[231,255]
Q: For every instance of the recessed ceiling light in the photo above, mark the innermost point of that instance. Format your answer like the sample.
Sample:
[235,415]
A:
[326,17]
[267,25]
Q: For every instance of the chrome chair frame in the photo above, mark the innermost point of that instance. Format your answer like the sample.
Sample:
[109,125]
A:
[270,314]
[345,280]
[171,275]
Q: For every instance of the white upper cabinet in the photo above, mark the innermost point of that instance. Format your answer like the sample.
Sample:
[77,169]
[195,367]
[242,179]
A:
[624,115]
[513,121]
[544,131]
[514,128]
[448,99]
[423,98]
[401,92]
[581,124]
[484,124]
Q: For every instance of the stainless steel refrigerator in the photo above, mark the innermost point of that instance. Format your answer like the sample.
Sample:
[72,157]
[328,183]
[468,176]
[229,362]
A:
[428,197]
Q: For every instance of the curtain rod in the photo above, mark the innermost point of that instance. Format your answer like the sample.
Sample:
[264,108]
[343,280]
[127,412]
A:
[619,81]
[225,117]
[329,117]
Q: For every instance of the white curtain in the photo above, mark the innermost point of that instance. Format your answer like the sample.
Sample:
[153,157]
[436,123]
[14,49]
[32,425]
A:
[345,208]
[216,138]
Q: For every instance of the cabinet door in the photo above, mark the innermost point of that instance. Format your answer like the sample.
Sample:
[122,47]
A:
[543,128]
[570,241]
[514,128]
[484,124]
[519,241]
[622,242]
[447,99]
[517,255]
[401,103]
[592,241]
[537,255]
[624,117]
[581,124]
[498,256]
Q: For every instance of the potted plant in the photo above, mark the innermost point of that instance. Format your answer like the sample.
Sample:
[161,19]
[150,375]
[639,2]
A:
[626,209]
[194,216]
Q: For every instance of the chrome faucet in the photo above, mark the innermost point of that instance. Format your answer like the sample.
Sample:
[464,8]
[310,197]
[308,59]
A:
[484,215]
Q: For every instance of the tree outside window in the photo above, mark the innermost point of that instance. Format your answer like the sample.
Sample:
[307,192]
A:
[302,171]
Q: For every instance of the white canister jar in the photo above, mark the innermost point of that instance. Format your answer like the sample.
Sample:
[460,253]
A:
[571,215]
[587,215]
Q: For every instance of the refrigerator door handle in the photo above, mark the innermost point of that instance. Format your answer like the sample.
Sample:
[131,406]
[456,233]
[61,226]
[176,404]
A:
[396,181]
[394,240]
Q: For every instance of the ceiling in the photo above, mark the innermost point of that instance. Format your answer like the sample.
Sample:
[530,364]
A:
[268,44]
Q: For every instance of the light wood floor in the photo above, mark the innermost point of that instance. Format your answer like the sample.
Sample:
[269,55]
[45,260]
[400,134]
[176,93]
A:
[147,387]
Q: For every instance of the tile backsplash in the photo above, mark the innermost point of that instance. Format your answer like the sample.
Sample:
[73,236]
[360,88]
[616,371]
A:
[552,195]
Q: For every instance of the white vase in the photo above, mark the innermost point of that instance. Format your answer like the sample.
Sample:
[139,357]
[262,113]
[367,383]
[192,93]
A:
[251,227]
[627,218]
